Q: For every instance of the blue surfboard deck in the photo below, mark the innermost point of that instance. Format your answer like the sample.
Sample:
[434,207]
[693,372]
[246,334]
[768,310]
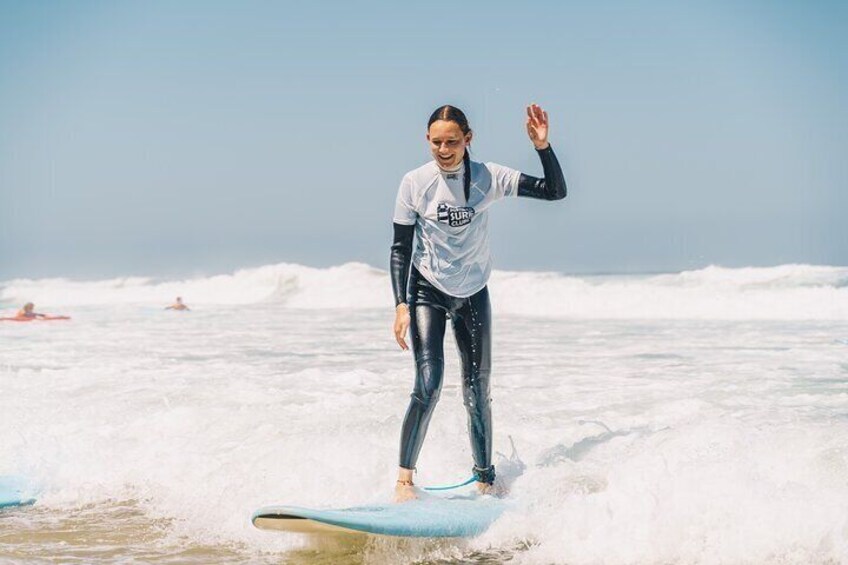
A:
[15,491]
[436,517]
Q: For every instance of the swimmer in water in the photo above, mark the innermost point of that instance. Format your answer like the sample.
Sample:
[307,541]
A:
[443,207]
[28,314]
[178,305]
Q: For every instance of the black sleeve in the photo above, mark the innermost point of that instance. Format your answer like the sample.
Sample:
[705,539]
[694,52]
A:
[552,187]
[400,259]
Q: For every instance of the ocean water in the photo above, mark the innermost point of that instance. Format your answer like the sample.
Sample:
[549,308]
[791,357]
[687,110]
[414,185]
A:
[697,417]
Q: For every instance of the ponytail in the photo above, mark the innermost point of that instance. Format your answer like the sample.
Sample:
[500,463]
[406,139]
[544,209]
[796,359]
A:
[466,178]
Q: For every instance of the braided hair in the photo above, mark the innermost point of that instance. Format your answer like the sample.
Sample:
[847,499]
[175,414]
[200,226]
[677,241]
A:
[453,114]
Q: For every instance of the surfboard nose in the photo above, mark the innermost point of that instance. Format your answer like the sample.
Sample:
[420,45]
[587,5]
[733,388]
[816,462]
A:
[15,491]
[437,517]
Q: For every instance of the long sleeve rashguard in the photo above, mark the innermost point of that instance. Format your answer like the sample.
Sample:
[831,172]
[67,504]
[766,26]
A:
[551,187]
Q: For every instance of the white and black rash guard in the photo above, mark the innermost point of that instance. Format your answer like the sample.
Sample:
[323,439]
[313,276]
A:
[452,235]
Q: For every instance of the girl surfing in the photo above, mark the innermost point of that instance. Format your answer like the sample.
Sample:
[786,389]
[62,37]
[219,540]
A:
[442,207]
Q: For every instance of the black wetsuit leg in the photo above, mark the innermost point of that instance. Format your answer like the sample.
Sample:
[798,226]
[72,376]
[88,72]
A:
[428,313]
[471,320]
[472,328]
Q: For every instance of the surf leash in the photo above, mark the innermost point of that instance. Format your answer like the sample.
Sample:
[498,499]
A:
[450,487]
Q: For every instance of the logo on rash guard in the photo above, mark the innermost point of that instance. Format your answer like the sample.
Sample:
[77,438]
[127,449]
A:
[454,216]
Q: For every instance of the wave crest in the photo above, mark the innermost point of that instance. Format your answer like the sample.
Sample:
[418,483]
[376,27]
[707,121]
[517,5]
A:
[781,292]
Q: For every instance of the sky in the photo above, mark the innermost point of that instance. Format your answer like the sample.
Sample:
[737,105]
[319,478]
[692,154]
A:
[199,137]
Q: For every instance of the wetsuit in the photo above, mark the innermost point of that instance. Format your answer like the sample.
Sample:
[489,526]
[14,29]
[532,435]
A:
[445,277]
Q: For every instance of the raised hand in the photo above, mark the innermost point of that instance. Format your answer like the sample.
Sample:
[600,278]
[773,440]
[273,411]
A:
[537,126]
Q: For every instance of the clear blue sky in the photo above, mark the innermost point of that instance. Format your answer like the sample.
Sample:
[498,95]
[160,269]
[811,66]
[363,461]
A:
[173,138]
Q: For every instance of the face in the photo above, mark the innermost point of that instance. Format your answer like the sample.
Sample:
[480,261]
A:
[447,143]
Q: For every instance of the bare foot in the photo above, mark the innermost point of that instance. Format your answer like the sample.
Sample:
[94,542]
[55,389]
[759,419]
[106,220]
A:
[404,489]
[405,493]
[492,489]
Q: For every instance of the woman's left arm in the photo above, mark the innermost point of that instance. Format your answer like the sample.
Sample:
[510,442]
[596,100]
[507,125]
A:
[552,187]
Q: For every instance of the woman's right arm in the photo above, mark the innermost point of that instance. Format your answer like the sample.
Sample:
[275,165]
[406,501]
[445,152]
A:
[401,257]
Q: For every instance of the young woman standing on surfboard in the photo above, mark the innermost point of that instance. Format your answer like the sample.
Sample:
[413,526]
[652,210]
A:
[443,207]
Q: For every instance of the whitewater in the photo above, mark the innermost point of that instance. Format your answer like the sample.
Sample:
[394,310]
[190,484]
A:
[694,417]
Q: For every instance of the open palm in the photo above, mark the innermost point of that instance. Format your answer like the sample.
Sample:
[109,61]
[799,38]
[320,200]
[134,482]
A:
[537,126]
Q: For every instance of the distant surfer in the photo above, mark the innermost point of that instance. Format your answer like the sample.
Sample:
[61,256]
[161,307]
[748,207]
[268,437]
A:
[28,314]
[178,305]
[28,311]
[443,207]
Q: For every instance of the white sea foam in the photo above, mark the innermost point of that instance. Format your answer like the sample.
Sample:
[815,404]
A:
[784,292]
[351,285]
[646,440]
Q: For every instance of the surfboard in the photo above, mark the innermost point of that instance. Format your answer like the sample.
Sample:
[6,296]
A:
[14,491]
[437,517]
[43,319]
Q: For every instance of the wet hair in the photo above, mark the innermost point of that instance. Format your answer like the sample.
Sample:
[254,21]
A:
[453,114]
